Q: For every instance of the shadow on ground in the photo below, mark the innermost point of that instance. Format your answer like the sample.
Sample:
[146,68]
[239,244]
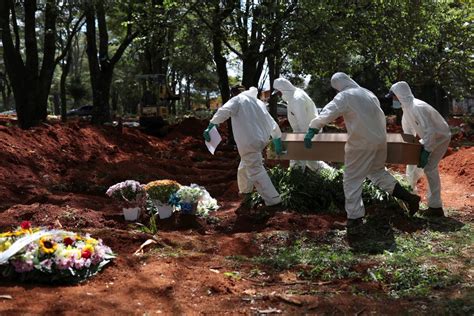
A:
[376,235]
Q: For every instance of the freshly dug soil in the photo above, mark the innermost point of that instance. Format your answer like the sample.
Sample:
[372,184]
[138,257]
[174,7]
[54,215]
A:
[57,174]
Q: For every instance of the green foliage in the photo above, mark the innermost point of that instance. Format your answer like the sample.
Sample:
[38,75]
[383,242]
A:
[77,89]
[303,191]
[320,191]
[413,269]
[234,275]
[152,227]
[314,261]
[428,44]
[421,262]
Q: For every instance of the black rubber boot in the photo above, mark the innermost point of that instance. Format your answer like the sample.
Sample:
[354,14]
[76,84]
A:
[434,212]
[246,204]
[355,227]
[412,201]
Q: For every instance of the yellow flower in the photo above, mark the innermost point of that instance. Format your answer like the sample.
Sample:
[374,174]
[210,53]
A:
[87,251]
[161,189]
[71,252]
[6,234]
[47,246]
[159,183]
[4,246]
[92,241]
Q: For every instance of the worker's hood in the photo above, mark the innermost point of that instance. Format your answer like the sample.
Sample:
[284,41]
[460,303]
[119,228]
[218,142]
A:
[252,91]
[285,87]
[340,81]
[403,92]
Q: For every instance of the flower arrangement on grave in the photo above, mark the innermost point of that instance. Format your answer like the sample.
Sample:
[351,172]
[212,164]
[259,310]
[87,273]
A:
[161,190]
[194,199]
[51,255]
[129,191]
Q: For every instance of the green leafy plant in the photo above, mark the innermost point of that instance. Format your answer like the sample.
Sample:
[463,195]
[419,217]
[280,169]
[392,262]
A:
[151,228]
[319,191]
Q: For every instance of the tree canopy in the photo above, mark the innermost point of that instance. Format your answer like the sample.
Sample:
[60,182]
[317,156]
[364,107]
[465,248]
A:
[426,43]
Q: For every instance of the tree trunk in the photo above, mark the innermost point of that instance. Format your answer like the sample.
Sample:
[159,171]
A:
[115,96]
[188,94]
[62,85]
[6,91]
[251,69]
[30,84]
[56,102]
[208,100]
[101,67]
[221,68]
[442,104]
[274,68]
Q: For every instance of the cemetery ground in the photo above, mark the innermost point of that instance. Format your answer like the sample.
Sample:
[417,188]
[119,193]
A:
[271,261]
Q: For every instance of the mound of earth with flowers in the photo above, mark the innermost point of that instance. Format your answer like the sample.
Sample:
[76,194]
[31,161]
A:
[228,261]
[43,255]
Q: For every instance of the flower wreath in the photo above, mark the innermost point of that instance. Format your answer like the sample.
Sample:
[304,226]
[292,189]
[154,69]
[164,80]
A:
[51,256]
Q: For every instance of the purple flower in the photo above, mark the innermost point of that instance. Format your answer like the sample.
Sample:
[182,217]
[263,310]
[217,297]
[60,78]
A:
[63,264]
[22,266]
[46,264]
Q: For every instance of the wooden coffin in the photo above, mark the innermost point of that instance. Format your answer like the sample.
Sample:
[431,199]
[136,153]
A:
[401,148]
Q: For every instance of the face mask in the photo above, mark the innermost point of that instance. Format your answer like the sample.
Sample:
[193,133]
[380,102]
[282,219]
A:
[396,104]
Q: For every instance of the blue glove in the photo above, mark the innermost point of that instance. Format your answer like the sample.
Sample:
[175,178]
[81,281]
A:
[423,158]
[278,146]
[309,136]
[206,135]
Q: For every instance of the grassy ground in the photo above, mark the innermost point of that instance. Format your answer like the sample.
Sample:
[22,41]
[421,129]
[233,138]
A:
[427,263]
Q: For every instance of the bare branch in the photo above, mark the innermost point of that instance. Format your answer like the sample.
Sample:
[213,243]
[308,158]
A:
[77,26]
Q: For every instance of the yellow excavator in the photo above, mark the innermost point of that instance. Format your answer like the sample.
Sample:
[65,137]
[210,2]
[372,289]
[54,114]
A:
[156,103]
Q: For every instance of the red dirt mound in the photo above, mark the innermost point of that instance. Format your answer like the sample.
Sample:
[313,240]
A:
[82,158]
[460,164]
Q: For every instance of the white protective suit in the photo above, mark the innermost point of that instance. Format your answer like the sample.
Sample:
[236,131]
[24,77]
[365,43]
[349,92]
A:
[252,127]
[253,92]
[301,111]
[366,147]
[422,120]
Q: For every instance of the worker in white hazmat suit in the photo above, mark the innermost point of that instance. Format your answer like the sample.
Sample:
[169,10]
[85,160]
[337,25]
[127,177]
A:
[252,128]
[422,120]
[253,92]
[413,172]
[366,147]
[301,111]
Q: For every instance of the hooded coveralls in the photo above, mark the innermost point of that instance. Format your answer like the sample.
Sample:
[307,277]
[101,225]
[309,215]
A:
[422,120]
[301,110]
[252,127]
[366,147]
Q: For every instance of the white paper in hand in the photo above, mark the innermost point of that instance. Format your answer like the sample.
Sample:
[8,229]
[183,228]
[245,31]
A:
[215,140]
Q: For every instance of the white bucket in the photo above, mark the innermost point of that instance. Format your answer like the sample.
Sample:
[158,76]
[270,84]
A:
[164,210]
[131,213]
